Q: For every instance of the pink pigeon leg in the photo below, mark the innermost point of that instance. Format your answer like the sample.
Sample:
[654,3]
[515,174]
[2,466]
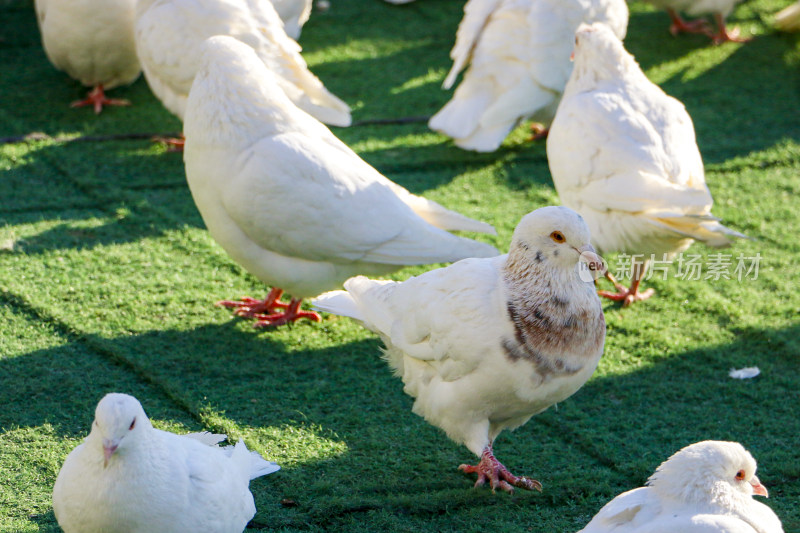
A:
[625,295]
[539,132]
[491,470]
[686,26]
[97,99]
[250,307]
[293,313]
[174,144]
[724,34]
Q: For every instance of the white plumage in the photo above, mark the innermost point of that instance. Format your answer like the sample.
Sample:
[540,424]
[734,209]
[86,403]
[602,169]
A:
[518,56]
[719,8]
[623,154]
[293,13]
[128,476]
[788,18]
[168,38]
[706,487]
[288,200]
[92,41]
[484,344]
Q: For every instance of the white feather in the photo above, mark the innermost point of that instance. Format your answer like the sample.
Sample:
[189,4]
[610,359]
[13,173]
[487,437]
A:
[154,480]
[169,34]
[694,491]
[91,40]
[288,200]
[623,154]
[518,56]
[451,336]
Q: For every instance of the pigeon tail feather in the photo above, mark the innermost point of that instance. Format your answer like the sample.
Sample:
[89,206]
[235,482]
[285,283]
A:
[338,303]
[208,438]
[251,462]
[441,217]
[706,230]
[788,19]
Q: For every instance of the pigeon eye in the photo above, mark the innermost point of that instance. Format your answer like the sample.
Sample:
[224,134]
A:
[740,475]
[133,424]
[558,237]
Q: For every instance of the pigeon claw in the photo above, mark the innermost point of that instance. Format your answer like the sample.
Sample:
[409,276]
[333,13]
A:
[251,308]
[539,132]
[97,99]
[490,470]
[292,314]
[687,26]
[627,296]
[268,312]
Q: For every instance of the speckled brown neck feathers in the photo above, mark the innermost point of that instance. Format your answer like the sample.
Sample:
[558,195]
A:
[558,320]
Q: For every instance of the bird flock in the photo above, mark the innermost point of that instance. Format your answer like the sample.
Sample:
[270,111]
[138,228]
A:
[483,344]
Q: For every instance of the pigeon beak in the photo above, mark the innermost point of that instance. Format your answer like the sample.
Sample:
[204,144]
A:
[589,255]
[109,447]
[758,488]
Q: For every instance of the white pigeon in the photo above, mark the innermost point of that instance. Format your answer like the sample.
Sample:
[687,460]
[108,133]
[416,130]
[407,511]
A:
[484,344]
[288,200]
[706,487]
[788,18]
[169,34]
[518,56]
[92,41]
[719,8]
[128,476]
[293,13]
[623,154]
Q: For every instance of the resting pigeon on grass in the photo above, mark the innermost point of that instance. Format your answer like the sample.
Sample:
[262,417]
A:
[169,34]
[293,13]
[719,8]
[92,41]
[128,476]
[289,201]
[485,344]
[706,487]
[623,154]
[518,56]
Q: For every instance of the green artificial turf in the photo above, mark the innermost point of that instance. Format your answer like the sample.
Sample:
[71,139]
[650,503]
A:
[108,279]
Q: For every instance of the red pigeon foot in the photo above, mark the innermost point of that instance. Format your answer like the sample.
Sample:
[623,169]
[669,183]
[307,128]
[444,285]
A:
[686,26]
[293,313]
[625,295]
[539,132]
[174,144]
[724,34]
[250,307]
[498,476]
[97,99]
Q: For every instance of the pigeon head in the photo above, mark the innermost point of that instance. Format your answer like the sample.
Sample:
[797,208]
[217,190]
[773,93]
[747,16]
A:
[599,53]
[119,420]
[556,236]
[709,472]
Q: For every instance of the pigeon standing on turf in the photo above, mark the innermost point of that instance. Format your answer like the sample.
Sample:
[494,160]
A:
[128,476]
[92,41]
[719,8]
[288,200]
[518,56]
[169,34]
[623,154]
[293,13]
[706,487]
[484,344]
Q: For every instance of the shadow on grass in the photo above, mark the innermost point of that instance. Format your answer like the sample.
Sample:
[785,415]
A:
[607,438]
